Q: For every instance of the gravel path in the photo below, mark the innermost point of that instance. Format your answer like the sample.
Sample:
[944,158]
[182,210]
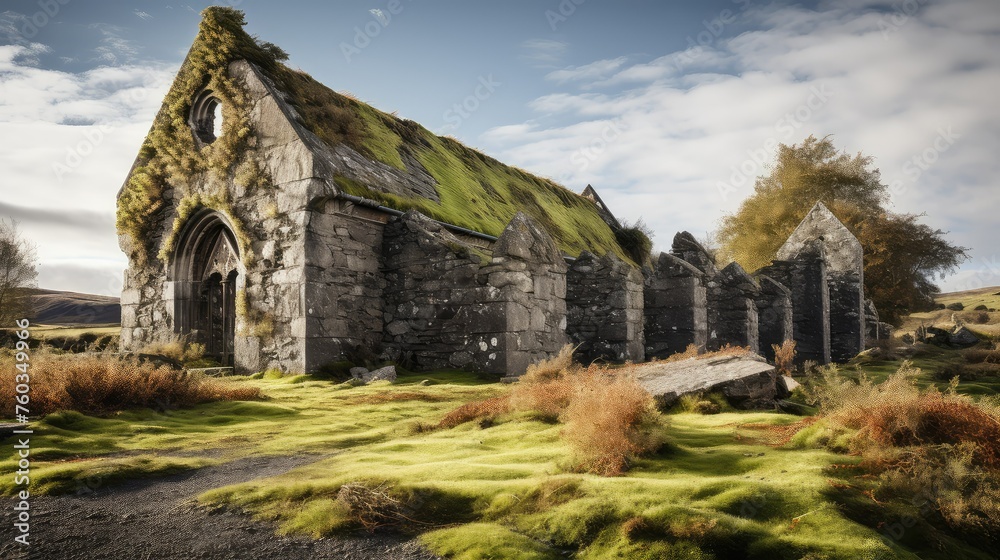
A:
[156,519]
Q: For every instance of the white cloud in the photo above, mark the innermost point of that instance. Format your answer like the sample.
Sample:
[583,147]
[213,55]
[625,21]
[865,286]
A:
[143,15]
[543,52]
[114,49]
[663,136]
[591,71]
[66,143]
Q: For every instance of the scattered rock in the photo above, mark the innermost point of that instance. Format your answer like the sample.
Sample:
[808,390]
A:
[907,338]
[358,372]
[963,337]
[387,373]
[786,385]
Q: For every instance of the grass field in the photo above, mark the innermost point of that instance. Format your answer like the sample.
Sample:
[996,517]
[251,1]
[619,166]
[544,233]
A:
[728,485]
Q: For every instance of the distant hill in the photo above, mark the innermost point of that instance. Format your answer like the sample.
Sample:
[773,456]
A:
[71,308]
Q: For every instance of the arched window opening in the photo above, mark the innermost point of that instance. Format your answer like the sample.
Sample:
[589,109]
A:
[206,117]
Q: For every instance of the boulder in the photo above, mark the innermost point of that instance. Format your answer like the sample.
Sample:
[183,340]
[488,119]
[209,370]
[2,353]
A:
[387,373]
[358,372]
[786,386]
[962,337]
[746,381]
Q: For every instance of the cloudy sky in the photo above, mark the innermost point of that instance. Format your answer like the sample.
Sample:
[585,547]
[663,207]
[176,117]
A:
[669,108]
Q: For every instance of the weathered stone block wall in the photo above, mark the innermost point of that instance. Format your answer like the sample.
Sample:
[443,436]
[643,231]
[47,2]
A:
[847,315]
[806,279]
[527,295]
[344,284]
[686,247]
[774,315]
[432,295]
[732,309]
[604,301]
[675,307]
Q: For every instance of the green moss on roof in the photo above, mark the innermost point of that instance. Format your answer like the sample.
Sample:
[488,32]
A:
[476,191]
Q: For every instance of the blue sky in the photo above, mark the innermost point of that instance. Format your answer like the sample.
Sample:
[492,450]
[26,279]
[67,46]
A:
[669,108]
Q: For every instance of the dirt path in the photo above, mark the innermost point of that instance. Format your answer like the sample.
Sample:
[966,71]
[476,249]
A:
[155,519]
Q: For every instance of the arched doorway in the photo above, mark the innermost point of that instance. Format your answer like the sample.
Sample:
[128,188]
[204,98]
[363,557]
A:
[206,276]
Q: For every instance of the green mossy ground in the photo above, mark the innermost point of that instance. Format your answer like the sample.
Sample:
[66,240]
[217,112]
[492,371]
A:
[503,491]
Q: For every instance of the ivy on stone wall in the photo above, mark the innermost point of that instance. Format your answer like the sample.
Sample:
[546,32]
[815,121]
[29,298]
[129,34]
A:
[171,158]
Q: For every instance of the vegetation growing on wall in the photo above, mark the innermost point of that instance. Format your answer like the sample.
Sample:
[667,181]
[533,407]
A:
[171,158]
[476,191]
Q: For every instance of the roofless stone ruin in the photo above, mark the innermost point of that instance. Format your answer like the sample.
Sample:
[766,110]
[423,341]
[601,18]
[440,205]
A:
[307,226]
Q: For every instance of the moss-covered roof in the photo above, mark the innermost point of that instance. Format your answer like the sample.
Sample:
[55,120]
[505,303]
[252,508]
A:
[476,191]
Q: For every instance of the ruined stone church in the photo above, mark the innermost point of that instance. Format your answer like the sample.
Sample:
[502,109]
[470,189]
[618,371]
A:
[284,225]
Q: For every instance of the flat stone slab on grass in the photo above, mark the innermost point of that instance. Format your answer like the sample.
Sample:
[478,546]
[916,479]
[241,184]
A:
[742,379]
[213,371]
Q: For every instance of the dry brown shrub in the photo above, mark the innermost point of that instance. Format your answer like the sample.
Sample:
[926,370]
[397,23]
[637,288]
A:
[551,368]
[489,408]
[548,399]
[372,506]
[690,352]
[784,357]
[896,413]
[943,448]
[609,421]
[609,417]
[101,384]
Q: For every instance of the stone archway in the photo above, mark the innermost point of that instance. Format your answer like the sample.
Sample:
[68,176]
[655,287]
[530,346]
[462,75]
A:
[206,275]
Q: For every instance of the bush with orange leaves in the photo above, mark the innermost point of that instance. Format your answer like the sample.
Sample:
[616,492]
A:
[609,418]
[102,384]
[941,447]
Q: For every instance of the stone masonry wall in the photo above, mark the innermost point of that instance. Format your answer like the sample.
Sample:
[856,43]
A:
[344,287]
[527,296]
[432,295]
[732,309]
[675,307]
[604,301]
[806,278]
[847,315]
[774,315]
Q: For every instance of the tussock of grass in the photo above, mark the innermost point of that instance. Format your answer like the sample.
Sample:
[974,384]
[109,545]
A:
[104,384]
[176,350]
[692,351]
[476,410]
